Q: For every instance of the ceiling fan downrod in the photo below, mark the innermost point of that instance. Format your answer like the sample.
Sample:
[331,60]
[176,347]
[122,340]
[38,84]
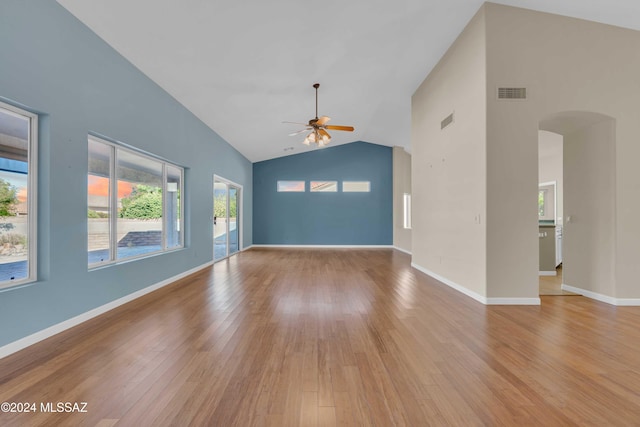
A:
[316,85]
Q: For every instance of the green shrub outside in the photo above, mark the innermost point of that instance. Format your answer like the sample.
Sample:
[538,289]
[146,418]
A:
[144,202]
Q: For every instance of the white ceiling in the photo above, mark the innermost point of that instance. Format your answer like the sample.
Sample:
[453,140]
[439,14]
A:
[245,66]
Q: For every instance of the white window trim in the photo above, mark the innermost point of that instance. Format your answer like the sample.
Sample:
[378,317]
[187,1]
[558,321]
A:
[356,182]
[406,211]
[164,201]
[32,197]
[311,190]
[113,196]
[304,186]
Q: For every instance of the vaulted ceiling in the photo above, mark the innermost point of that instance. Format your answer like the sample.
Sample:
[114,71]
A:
[244,67]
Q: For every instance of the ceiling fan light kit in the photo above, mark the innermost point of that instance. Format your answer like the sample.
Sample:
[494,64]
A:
[318,127]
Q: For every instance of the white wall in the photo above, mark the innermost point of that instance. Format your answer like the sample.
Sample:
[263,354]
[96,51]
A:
[401,185]
[449,166]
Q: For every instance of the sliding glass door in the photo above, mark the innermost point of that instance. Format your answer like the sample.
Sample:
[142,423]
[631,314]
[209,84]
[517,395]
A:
[226,218]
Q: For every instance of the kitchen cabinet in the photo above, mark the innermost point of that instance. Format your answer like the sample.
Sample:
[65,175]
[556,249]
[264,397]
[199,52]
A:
[547,247]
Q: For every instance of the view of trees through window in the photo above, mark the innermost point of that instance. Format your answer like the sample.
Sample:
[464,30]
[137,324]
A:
[134,215]
[144,202]
[220,206]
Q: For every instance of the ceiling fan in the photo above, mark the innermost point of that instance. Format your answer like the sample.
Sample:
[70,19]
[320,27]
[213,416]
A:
[318,127]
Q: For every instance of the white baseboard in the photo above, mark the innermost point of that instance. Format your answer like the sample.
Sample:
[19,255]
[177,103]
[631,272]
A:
[402,250]
[325,246]
[628,302]
[513,301]
[602,298]
[22,343]
[589,294]
[457,287]
[547,273]
[476,296]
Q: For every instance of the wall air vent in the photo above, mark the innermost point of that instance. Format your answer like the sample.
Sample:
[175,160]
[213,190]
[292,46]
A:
[447,121]
[512,93]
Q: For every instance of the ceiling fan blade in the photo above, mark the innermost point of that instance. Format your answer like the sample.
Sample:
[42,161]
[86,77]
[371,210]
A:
[336,127]
[298,123]
[322,120]
[299,132]
[324,133]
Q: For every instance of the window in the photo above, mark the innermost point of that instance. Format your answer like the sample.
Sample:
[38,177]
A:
[324,186]
[356,186]
[406,223]
[18,142]
[134,204]
[99,202]
[291,186]
[542,194]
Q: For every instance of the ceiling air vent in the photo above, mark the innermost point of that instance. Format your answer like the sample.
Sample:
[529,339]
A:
[447,121]
[512,93]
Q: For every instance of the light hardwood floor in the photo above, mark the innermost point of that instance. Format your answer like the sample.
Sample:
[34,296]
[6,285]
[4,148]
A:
[333,337]
[552,285]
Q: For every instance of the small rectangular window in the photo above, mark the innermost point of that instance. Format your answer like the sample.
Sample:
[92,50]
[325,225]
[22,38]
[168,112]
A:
[406,210]
[324,186]
[356,186]
[291,187]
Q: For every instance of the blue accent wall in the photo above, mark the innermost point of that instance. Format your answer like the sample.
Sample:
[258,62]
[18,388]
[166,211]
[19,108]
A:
[323,218]
[51,64]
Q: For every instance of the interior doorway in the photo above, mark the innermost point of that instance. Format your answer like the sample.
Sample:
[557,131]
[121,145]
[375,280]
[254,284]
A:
[550,212]
[227,211]
[584,223]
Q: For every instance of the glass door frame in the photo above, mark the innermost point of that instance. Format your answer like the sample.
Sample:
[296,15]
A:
[239,215]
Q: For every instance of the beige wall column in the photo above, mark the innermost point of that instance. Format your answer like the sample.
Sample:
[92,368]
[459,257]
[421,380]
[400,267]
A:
[401,186]
[448,166]
[572,69]
[475,181]
[589,231]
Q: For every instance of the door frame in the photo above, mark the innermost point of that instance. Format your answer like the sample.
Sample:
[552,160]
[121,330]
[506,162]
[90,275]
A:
[240,213]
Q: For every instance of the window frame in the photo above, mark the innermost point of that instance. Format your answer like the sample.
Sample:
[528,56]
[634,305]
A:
[32,196]
[368,183]
[542,202]
[325,181]
[406,211]
[114,147]
[304,186]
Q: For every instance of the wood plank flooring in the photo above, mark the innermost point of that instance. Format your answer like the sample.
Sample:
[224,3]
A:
[275,337]
[552,285]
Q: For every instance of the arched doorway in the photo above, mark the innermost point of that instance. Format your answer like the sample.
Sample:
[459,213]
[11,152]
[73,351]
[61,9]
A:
[588,206]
